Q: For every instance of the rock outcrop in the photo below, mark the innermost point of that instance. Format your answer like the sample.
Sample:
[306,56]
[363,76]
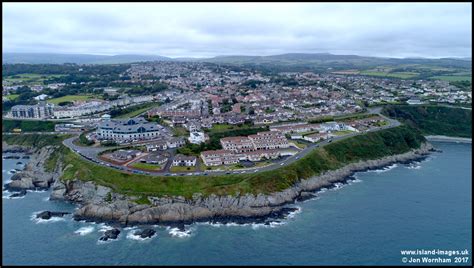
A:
[46,215]
[110,234]
[146,233]
[34,176]
[241,208]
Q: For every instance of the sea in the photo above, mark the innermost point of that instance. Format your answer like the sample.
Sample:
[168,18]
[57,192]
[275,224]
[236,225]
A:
[424,205]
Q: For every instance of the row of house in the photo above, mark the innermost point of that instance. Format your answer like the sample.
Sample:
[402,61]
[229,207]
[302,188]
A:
[262,140]
[228,157]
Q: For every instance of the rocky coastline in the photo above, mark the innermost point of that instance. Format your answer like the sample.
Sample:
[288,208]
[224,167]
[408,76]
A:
[98,203]
[33,176]
[122,210]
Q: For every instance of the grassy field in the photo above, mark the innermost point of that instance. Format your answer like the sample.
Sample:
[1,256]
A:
[182,169]
[27,126]
[12,96]
[30,78]
[216,128]
[451,78]
[342,132]
[401,75]
[139,111]
[146,166]
[180,131]
[72,98]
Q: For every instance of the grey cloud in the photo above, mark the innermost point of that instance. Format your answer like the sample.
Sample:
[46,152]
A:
[430,30]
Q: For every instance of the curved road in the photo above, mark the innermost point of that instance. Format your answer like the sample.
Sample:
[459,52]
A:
[91,153]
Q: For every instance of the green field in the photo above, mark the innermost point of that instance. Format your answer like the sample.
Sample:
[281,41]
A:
[342,132]
[30,78]
[216,128]
[12,96]
[182,169]
[140,109]
[451,78]
[146,166]
[401,75]
[180,131]
[71,98]
[27,125]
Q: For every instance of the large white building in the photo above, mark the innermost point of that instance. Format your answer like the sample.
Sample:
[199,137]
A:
[40,111]
[127,130]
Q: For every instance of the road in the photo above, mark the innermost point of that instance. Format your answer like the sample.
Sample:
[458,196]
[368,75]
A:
[91,153]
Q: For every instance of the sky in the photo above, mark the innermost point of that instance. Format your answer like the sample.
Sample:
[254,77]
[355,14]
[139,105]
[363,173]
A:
[430,30]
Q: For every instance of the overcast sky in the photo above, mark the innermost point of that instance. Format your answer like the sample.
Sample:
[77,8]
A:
[210,29]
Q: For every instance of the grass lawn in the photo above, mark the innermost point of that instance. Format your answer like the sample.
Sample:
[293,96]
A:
[308,132]
[216,128]
[12,96]
[452,78]
[145,166]
[182,169]
[180,131]
[30,78]
[299,144]
[402,75]
[342,132]
[139,111]
[72,98]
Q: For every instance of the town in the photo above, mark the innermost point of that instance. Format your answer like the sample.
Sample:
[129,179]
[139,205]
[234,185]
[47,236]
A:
[203,117]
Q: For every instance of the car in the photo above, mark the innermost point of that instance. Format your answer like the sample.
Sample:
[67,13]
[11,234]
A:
[329,141]
[167,174]
[297,157]
[205,174]
[255,171]
[282,164]
[228,172]
[242,172]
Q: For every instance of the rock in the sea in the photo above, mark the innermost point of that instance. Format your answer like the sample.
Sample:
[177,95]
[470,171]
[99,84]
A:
[110,234]
[19,194]
[19,163]
[46,215]
[146,233]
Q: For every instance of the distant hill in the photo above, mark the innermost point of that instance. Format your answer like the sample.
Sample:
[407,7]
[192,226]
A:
[327,60]
[52,58]
[290,61]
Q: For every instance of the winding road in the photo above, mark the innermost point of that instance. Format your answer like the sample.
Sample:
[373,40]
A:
[91,153]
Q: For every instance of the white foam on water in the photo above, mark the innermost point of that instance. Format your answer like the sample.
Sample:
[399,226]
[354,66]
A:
[322,190]
[337,186]
[3,171]
[36,191]
[85,230]
[51,220]
[131,235]
[385,169]
[175,232]
[292,214]
[416,166]
[46,199]
[103,227]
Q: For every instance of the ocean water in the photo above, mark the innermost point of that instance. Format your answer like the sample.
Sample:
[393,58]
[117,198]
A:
[425,205]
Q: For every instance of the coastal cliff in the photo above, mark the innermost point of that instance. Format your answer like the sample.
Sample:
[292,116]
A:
[34,176]
[99,203]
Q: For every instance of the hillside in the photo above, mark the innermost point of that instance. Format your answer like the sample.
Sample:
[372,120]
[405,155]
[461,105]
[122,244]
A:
[434,120]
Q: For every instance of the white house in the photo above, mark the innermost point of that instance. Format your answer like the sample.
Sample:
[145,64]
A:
[197,137]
